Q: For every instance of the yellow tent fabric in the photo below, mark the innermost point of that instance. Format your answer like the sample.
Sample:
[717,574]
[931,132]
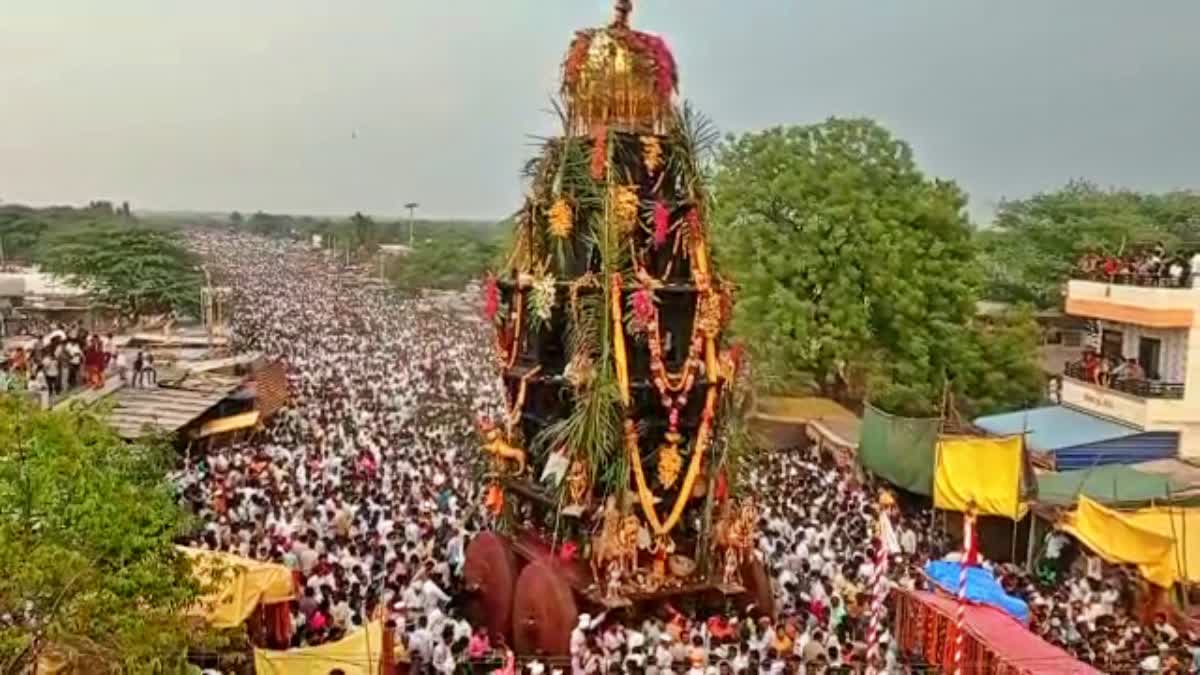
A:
[360,653]
[227,424]
[1115,537]
[243,585]
[983,471]
[1181,525]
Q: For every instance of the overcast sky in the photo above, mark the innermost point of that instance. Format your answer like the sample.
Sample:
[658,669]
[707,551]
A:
[324,106]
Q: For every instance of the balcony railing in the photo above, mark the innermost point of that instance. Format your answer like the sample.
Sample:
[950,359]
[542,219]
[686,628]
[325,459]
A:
[1142,388]
[1134,279]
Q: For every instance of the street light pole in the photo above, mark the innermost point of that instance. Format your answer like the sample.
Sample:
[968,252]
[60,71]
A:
[411,206]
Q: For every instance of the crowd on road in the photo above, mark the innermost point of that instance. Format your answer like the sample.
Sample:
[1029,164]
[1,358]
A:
[364,487]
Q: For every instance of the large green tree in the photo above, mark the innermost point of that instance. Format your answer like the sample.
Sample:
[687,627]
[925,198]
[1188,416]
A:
[86,529]
[854,269]
[1033,245]
[136,270]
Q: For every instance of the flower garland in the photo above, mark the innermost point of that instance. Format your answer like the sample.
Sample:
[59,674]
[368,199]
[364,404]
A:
[599,152]
[652,154]
[662,224]
[644,314]
[625,205]
[541,297]
[491,297]
[703,438]
[562,220]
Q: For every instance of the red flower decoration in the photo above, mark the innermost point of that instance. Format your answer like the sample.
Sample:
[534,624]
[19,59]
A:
[567,551]
[491,298]
[599,152]
[643,308]
[662,224]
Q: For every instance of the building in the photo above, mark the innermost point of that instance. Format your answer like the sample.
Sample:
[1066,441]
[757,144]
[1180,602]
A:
[1157,326]
[1123,420]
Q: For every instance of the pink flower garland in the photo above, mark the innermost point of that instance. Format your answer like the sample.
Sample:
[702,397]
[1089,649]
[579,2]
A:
[662,224]
[491,298]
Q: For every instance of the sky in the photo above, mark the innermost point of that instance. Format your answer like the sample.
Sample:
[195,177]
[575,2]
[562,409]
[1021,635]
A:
[330,107]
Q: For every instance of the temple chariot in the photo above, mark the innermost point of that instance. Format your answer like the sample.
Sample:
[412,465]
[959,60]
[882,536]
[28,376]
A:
[611,479]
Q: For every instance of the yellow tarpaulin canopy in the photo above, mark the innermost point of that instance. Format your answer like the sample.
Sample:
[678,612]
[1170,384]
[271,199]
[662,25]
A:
[1117,538]
[1182,526]
[985,472]
[243,584]
[360,653]
[227,424]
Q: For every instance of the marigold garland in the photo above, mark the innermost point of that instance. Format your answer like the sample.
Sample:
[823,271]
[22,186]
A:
[625,207]
[699,449]
[652,154]
[562,220]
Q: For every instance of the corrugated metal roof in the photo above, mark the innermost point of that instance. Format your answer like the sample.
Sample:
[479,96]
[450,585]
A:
[1077,440]
[168,408]
[1054,427]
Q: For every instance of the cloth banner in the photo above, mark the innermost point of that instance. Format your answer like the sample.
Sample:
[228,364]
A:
[985,472]
[982,588]
[241,585]
[899,449]
[1119,539]
[359,653]
[1182,526]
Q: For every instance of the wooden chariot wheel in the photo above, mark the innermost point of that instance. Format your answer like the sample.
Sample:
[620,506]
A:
[544,611]
[490,574]
[758,592]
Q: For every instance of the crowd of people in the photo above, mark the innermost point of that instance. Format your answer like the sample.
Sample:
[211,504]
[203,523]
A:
[60,361]
[1148,267]
[363,487]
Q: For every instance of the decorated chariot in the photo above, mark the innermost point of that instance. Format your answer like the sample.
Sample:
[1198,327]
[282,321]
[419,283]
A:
[611,480]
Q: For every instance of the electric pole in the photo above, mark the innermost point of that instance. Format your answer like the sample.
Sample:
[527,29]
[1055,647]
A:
[411,206]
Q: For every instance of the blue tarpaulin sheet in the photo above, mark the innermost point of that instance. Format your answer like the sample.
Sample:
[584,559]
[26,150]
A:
[982,588]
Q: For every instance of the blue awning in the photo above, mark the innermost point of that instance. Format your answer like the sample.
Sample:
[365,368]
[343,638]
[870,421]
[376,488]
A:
[1078,440]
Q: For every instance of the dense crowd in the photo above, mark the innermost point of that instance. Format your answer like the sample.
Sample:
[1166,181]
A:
[364,487]
[1148,267]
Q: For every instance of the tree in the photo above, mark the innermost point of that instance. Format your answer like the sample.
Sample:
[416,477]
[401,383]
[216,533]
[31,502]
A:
[855,270]
[1034,243]
[86,530]
[446,263]
[365,232]
[235,220]
[137,271]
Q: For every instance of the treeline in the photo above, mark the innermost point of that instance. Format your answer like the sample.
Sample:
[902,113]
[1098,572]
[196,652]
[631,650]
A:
[859,275]
[1033,245]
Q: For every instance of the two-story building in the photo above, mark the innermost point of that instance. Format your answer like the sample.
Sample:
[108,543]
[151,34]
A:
[1107,417]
